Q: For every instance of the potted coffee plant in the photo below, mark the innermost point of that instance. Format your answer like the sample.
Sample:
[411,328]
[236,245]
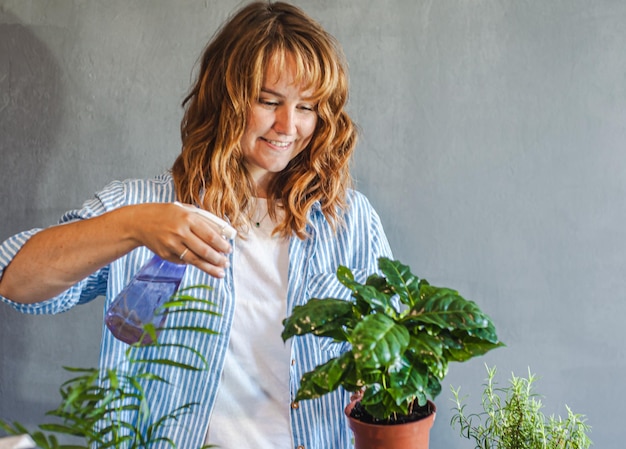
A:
[108,409]
[402,332]
[511,417]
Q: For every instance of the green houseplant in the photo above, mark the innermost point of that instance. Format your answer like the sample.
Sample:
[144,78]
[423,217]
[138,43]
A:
[402,331]
[108,409]
[512,417]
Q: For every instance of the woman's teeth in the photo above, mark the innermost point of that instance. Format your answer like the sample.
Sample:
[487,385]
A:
[278,143]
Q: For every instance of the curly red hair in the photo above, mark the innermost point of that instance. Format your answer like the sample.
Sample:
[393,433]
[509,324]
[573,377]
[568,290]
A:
[210,171]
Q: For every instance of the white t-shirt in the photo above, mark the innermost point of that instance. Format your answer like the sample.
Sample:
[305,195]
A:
[252,404]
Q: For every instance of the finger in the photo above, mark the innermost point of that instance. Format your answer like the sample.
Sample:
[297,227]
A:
[201,253]
[210,234]
[211,270]
[218,271]
[205,257]
[183,254]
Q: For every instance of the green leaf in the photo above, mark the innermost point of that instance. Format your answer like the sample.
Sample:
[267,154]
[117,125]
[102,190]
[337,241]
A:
[15,429]
[380,403]
[191,356]
[470,347]
[428,350]
[446,309]
[345,276]
[376,300]
[321,317]
[374,295]
[378,341]
[487,333]
[399,277]
[168,362]
[193,310]
[64,429]
[194,329]
[326,377]
[151,377]
[407,380]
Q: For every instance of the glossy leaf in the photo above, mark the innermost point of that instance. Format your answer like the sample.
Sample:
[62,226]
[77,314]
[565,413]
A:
[376,300]
[380,403]
[378,341]
[471,347]
[446,309]
[429,350]
[321,317]
[404,283]
[399,356]
[326,378]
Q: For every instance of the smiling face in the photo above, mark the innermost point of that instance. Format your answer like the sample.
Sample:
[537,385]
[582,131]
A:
[280,124]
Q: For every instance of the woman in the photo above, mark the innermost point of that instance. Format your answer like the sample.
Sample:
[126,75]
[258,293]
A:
[266,144]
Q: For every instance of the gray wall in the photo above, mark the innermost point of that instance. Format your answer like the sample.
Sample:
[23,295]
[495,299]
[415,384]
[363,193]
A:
[492,145]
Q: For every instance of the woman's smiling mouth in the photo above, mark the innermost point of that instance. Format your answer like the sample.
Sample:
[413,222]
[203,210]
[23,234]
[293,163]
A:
[277,143]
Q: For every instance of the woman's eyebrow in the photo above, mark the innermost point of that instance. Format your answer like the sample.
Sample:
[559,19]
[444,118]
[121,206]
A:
[265,90]
[271,92]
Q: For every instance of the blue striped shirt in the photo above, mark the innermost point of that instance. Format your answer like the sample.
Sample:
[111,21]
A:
[315,424]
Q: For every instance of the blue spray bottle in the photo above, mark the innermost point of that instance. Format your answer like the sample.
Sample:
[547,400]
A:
[141,301]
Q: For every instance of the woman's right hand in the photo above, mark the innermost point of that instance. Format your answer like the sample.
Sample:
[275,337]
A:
[172,231]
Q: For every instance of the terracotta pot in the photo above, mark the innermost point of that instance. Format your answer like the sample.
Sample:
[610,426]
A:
[413,435]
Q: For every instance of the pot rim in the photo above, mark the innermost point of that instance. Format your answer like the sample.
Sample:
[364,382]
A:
[352,403]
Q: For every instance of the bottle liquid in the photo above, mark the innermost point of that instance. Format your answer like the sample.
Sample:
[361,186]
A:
[140,302]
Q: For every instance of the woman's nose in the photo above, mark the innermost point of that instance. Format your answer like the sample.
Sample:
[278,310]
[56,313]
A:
[285,122]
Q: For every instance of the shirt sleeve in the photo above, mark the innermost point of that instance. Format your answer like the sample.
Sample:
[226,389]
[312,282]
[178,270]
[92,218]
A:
[87,289]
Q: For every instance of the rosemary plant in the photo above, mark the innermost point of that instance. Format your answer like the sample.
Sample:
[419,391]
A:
[512,418]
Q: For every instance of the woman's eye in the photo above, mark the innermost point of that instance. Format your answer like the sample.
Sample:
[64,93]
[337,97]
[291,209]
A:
[307,108]
[268,103]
